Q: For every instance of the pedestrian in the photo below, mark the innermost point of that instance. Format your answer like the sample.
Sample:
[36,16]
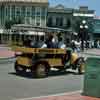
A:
[73,46]
[98,44]
[92,44]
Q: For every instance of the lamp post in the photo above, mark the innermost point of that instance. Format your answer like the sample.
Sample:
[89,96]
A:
[84,34]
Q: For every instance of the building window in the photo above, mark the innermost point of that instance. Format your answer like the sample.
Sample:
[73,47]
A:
[33,11]
[38,21]
[43,12]
[23,11]
[61,21]
[28,11]
[2,14]
[38,16]
[38,11]
[68,23]
[49,21]
[6,11]
[13,12]
[57,21]
[18,11]
[27,20]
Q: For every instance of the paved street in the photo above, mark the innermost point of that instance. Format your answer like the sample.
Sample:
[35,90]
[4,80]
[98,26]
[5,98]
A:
[14,87]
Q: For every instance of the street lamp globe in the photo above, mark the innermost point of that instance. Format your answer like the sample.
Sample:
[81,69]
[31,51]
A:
[84,22]
[86,26]
[81,26]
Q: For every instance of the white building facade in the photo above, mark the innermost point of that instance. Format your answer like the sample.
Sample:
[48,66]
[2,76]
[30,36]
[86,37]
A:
[28,11]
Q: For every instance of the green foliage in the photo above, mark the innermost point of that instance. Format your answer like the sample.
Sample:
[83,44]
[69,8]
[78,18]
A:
[9,23]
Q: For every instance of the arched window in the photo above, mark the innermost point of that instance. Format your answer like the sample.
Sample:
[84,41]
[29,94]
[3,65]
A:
[68,23]
[57,21]
[49,21]
[61,22]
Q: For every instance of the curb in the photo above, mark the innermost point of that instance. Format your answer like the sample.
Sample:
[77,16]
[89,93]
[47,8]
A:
[9,59]
[90,54]
[48,96]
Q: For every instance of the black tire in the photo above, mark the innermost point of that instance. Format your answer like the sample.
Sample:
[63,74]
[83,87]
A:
[41,70]
[19,69]
[80,65]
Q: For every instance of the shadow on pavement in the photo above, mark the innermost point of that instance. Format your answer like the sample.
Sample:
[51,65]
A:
[50,74]
[25,75]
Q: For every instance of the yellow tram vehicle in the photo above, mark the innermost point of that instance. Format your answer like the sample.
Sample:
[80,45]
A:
[41,60]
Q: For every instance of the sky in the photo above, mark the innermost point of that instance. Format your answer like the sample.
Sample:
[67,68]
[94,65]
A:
[92,4]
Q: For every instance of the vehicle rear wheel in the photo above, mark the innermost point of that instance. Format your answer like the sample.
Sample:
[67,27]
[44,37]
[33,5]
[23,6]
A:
[19,69]
[41,70]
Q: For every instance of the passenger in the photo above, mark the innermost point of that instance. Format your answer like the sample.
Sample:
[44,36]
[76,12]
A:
[50,43]
[42,44]
[27,42]
[61,43]
[34,43]
[55,41]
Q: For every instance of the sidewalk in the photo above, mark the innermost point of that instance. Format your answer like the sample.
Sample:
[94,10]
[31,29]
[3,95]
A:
[5,52]
[67,96]
[92,52]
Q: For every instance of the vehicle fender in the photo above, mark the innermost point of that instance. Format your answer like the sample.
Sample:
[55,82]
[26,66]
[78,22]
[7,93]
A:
[76,61]
[74,58]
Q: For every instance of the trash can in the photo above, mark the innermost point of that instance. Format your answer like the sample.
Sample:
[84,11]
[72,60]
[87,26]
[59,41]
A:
[92,77]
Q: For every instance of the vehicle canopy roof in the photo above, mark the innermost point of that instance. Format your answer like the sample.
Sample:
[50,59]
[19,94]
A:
[26,27]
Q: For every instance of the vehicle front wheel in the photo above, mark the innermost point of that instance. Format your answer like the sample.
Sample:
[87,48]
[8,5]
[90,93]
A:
[41,71]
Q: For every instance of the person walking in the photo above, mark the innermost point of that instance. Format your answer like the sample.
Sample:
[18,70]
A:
[98,44]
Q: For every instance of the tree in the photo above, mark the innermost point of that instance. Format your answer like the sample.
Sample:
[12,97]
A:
[9,23]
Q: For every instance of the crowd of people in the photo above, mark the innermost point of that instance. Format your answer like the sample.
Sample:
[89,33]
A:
[76,45]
